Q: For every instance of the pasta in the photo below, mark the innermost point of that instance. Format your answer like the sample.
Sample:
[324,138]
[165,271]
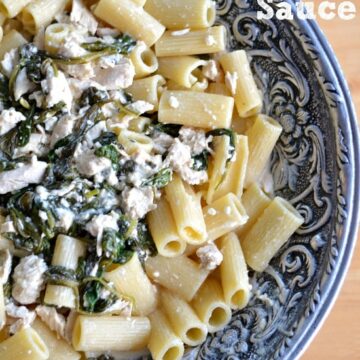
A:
[194,42]
[130,279]
[196,109]
[67,252]
[262,137]
[268,234]
[144,61]
[110,333]
[148,89]
[182,14]
[11,8]
[130,18]
[186,208]
[40,13]
[164,343]
[163,229]
[11,40]
[58,348]
[135,191]
[180,69]
[210,306]
[181,275]
[183,319]
[234,276]
[247,97]
[24,345]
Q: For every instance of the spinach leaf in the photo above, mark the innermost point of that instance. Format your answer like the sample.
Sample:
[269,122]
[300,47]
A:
[31,58]
[58,274]
[115,248]
[109,152]
[122,45]
[93,95]
[5,101]
[170,129]
[201,161]
[106,138]
[24,129]
[159,180]
[143,243]
[95,295]
[53,111]
[225,132]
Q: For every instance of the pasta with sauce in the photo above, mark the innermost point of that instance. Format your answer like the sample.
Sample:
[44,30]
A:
[130,179]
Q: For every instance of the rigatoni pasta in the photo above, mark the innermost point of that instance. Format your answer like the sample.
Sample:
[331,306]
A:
[110,333]
[183,14]
[128,17]
[195,109]
[11,8]
[144,60]
[271,230]
[194,42]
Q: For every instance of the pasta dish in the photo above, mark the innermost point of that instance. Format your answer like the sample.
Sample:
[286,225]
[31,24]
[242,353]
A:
[135,191]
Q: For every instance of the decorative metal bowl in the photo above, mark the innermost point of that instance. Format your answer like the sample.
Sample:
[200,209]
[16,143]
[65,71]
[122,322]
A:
[315,165]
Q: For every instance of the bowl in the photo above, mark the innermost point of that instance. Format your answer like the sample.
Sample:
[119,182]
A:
[315,165]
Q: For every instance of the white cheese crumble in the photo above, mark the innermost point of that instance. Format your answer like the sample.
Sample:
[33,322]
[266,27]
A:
[5,265]
[23,314]
[137,202]
[28,279]
[55,321]
[140,107]
[162,142]
[173,102]
[56,88]
[16,179]
[8,120]
[195,139]
[62,128]
[180,32]
[210,40]
[212,212]
[212,70]
[231,79]
[210,256]
[66,218]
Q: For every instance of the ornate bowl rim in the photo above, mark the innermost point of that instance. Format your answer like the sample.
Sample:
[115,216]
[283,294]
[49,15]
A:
[332,68]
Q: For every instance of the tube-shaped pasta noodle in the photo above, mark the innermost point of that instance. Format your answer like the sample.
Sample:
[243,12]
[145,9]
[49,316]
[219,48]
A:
[163,230]
[55,35]
[234,177]
[40,13]
[25,345]
[196,109]
[111,333]
[183,319]
[11,8]
[148,89]
[210,306]
[234,273]
[262,137]
[254,201]
[130,18]
[133,141]
[180,69]
[186,209]
[59,349]
[272,229]
[218,88]
[181,275]
[195,42]
[144,60]
[11,40]
[183,14]
[164,343]
[66,253]
[224,215]
[130,280]
[2,307]
[247,96]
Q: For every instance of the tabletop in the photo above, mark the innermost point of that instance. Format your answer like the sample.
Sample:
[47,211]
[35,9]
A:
[339,337]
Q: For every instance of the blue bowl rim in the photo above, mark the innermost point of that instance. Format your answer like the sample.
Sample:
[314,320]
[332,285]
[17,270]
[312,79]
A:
[331,66]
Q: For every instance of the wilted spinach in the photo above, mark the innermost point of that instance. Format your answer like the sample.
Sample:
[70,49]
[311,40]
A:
[201,161]
[225,132]
[159,180]
[122,45]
